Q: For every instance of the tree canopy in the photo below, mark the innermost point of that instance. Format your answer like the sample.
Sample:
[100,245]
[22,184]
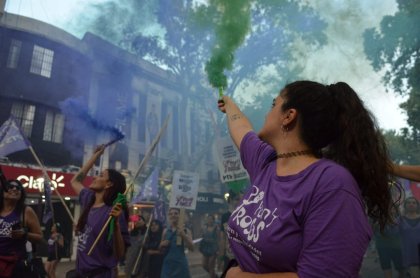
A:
[394,48]
[184,34]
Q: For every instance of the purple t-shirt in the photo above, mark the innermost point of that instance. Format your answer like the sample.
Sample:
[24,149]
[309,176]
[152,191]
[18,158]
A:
[312,223]
[102,255]
[8,245]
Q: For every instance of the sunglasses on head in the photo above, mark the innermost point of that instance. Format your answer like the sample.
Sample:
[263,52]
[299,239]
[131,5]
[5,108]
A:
[12,185]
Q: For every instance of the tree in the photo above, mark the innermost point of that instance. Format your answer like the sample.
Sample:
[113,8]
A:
[184,36]
[396,45]
[402,147]
[395,48]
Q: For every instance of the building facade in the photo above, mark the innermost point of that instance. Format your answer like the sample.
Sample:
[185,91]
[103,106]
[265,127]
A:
[43,67]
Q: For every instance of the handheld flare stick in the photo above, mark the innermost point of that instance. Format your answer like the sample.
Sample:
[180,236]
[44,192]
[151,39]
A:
[113,141]
[220,95]
[141,166]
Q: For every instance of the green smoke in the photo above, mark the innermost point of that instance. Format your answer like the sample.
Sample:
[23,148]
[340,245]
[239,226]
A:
[230,33]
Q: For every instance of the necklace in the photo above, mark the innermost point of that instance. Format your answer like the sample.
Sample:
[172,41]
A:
[291,154]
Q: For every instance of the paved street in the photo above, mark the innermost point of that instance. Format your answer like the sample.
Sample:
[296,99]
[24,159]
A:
[370,268]
[194,259]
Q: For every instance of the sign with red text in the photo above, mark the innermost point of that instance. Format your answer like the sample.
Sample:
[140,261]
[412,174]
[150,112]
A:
[184,190]
[33,179]
[230,164]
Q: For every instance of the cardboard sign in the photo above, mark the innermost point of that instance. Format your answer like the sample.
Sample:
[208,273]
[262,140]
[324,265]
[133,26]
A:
[184,190]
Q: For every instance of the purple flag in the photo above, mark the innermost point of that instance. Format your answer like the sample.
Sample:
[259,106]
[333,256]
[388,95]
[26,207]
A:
[149,189]
[159,211]
[11,138]
[150,186]
[48,210]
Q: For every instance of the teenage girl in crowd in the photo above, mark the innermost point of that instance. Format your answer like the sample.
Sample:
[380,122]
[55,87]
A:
[97,203]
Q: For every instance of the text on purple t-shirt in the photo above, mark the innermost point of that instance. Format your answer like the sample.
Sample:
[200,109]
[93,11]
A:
[312,223]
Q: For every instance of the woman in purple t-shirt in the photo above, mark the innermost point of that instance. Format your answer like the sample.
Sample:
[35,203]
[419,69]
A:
[13,233]
[318,169]
[97,203]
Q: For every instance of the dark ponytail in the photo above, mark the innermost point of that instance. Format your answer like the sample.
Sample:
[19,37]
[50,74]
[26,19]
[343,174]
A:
[362,149]
[335,123]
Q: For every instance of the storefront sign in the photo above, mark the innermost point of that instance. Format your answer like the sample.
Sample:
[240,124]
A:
[33,179]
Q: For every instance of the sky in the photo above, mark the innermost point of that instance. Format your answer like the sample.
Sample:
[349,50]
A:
[342,59]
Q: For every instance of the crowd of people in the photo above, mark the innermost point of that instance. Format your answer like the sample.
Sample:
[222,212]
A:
[320,191]
[398,246]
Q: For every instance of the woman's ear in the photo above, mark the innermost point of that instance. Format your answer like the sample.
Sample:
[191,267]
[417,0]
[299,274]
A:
[291,115]
[109,184]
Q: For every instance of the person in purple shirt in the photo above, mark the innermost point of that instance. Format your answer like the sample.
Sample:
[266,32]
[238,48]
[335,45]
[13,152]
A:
[18,224]
[97,203]
[318,170]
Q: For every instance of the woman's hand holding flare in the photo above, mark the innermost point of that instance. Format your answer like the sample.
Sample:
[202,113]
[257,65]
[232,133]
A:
[99,150]
[221,103]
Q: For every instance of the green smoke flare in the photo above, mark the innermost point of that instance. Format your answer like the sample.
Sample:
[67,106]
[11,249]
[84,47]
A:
[230,33]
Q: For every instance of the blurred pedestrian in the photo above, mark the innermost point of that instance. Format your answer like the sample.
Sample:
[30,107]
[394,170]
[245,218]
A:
[137,235]
[154,253]
[388,246]
[410,236]
[225,253]
[175,263]
[209,245]
[55,245]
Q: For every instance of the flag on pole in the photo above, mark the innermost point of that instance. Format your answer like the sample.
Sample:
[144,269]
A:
[150,185]
[159,211]
[48,209]
[12,138]
[149,189]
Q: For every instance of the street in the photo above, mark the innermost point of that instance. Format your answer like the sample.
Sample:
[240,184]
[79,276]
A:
[370,267]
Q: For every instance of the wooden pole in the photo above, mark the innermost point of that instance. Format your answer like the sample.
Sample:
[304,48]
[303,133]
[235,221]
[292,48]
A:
[139,256]
[44,171]
[181,223]
[141,166]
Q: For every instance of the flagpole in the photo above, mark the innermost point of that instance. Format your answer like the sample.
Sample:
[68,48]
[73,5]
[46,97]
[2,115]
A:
[141,166]
[146,234]
[44,171]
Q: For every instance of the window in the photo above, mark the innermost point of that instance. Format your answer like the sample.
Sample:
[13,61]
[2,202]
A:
[53,128]
[14,53]
[24,114]
[42,60]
